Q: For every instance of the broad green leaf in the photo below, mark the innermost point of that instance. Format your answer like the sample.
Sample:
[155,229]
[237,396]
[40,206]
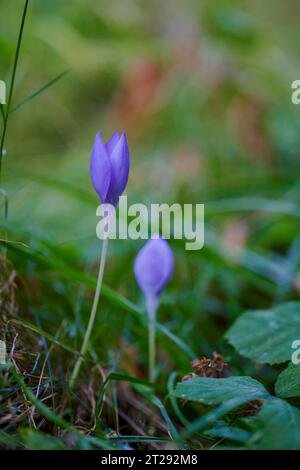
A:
[215,391]
[288,382]
[277,426]
[223,431]
[266,336]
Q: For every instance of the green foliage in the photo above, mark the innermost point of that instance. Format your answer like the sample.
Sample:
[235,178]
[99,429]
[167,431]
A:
[288,382]
[266,336]
[34,440]
[277,426]
[204,95]
[211,391]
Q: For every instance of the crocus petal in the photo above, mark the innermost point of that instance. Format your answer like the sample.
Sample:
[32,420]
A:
[111,143]
[119,159]
[153,267]
[100,168]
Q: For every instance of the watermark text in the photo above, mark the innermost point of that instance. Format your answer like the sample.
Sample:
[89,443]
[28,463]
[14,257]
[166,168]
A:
[138,221]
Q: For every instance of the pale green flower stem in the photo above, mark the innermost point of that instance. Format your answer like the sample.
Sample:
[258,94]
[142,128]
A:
[92,315]
[152,304]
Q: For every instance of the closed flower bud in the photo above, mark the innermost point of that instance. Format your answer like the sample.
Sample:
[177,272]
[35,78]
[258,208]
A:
[153,267]
[109,167]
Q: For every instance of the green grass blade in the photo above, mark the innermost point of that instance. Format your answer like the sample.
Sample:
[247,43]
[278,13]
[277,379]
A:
[157,402]
[48,336]
[12,82]
[2,111]
[58,420]
[107,292]
[252,204]
[39,91]
[209,418]
[41,407]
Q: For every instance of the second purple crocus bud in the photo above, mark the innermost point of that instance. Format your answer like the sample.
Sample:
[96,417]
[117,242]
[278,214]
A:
[109,167]
[153,269]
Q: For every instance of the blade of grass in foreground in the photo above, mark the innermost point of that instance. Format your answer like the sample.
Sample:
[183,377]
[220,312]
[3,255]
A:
[173,400]
[8,441]
[39,91]
[66,187]
[253,204]
[56,419]
[139,438]
[48,336]
[209,418]
[156,402]
[12,83]
[2,111]
[41,407]
[121,378]
[143,387]
[90,281]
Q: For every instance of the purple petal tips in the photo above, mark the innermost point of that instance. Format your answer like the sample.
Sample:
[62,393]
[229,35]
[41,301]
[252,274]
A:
[153,267]
[109,167]
[119,158]
[110,145]
[100,168]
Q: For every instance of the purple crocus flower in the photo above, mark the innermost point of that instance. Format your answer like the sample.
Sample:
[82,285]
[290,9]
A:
[153,267]
[109,167]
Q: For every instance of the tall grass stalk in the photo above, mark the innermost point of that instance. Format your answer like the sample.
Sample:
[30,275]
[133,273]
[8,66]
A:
[5,113]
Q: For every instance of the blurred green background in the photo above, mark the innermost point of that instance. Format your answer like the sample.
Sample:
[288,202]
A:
[203,89]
